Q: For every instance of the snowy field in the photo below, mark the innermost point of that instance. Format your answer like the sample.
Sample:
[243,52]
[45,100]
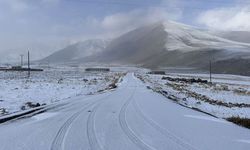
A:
[227,96]
[17,92]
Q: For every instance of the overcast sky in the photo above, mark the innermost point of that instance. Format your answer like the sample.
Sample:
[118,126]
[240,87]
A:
[43,26]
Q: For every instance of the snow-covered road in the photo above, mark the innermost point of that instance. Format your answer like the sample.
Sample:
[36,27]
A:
[128,118]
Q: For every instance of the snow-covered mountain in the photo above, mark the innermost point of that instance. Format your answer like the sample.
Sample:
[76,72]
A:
[172,44]
[165,44]
[77,51]
[184,37]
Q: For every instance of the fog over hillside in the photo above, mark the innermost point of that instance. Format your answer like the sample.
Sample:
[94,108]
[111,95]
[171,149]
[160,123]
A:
[239,36]
[162,44]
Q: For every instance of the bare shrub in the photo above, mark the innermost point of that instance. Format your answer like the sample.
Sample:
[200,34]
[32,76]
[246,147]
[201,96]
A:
[244,122]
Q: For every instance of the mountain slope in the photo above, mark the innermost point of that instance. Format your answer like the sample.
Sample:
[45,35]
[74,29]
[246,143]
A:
[184,37]
[76,51]
[136,46]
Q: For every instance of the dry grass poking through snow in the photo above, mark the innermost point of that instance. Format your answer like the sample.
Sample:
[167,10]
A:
[245,122]
[18,93]
[220,99]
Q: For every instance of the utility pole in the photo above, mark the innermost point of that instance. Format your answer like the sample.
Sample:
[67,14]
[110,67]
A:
[48,64]
[21,60]
[210,70]
[28,64]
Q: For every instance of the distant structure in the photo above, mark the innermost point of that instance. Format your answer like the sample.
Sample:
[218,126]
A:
[157,72]
[97,69]
[16,68]
[3,67]
[20,68]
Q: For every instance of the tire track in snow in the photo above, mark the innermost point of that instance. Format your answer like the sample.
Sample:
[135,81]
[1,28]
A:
[91,133]
[165,132]
[58,143]
[124,125]
[93,142]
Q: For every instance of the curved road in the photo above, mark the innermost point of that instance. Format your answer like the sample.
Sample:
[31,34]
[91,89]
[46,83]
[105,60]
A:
[128,118]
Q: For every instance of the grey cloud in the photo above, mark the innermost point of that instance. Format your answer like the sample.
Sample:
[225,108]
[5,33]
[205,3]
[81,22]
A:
[233,18]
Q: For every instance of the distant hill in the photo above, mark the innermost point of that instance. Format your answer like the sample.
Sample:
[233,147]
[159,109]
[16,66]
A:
[77,51]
